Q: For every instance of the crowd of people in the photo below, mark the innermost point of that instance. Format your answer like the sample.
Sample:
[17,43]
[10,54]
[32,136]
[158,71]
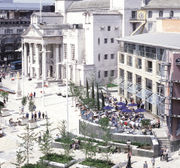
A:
[122,120]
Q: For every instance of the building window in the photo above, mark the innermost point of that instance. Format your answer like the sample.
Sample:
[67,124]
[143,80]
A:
[160,89]
[171,14]
[129,60]
[105,56]
[109,28]
[148,84]
[112,56]
[149,66]
[8,31]
[19,31]
[121,58]
[102,28]
[150,26]
[105,73]
[72,51]
[105,40]
[112,72]
[129,76]
[160,14]
[134,26]
[138,80]
[99,74]
[134,14]
[149,14]
[65,51]
[98,41]
[99,57]
[112,40]
[139,63]
[121,73]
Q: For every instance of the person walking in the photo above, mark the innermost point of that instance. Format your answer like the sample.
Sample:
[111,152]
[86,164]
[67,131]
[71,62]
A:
[43,115]
[161,153]
[39,114]
[153,162]
[35,116]
[145,165]
[34,94]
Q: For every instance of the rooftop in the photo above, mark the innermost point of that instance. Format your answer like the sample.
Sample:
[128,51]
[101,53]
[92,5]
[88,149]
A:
[46,14]
[160,4]
[165,40]
[89,5]
[19,6]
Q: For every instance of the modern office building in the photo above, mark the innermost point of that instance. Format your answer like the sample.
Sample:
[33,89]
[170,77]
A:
[148,70]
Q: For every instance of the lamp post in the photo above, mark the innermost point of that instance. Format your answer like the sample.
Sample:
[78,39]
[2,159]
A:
[129,154]
[67,108]
[43,76]
[22,53]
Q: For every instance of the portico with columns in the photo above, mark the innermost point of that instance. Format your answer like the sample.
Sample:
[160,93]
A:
[42,55]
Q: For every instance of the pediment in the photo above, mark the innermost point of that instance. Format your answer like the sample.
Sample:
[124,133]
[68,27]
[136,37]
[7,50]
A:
[32,32]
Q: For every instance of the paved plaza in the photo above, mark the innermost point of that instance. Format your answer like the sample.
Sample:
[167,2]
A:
[55,106]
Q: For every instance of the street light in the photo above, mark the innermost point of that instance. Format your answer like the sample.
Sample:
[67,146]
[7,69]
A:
[43,103]
[67,109]
[21,50]
[129,154]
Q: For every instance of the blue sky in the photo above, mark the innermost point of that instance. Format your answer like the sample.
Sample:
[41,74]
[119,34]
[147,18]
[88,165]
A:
[34,1]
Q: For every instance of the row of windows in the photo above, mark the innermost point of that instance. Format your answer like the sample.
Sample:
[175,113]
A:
[150,14]
[108,28]
[14,22]
[72,51]
[138,64]
[10,31]
[105,56]
[138,79]
[106,74]
[105,40]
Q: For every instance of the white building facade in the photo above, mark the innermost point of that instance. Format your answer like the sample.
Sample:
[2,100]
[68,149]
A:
[88,42]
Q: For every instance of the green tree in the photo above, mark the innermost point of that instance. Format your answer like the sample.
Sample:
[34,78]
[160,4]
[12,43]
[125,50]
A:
[93,96]
[4,95]
[46,140]
[102,99]
[20,159]
[24,101]
[66,138]
[31,106]
[89,147]
[87,89]
[27,138]
[104,123]
[98,104]
[1,106]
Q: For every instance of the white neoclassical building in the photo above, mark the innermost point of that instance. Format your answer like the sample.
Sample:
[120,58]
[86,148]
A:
[80,33]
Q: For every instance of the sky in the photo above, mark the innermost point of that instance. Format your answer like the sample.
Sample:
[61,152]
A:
[34,1]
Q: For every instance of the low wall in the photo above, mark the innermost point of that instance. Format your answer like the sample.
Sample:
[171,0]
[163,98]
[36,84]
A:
[95,130]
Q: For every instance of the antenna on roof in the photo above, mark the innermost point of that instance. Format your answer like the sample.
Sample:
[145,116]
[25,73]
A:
[40,11]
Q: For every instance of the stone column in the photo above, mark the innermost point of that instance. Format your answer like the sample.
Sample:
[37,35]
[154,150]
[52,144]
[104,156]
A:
[37,61]
[31,59]
[25,60]
[44,65]
[57,53]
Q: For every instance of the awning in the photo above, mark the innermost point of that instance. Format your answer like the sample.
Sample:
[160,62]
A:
[5,89]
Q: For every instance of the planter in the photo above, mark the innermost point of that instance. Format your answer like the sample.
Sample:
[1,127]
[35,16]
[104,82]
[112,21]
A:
[60,165]
[95,163]
[58,160]
[33,125]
